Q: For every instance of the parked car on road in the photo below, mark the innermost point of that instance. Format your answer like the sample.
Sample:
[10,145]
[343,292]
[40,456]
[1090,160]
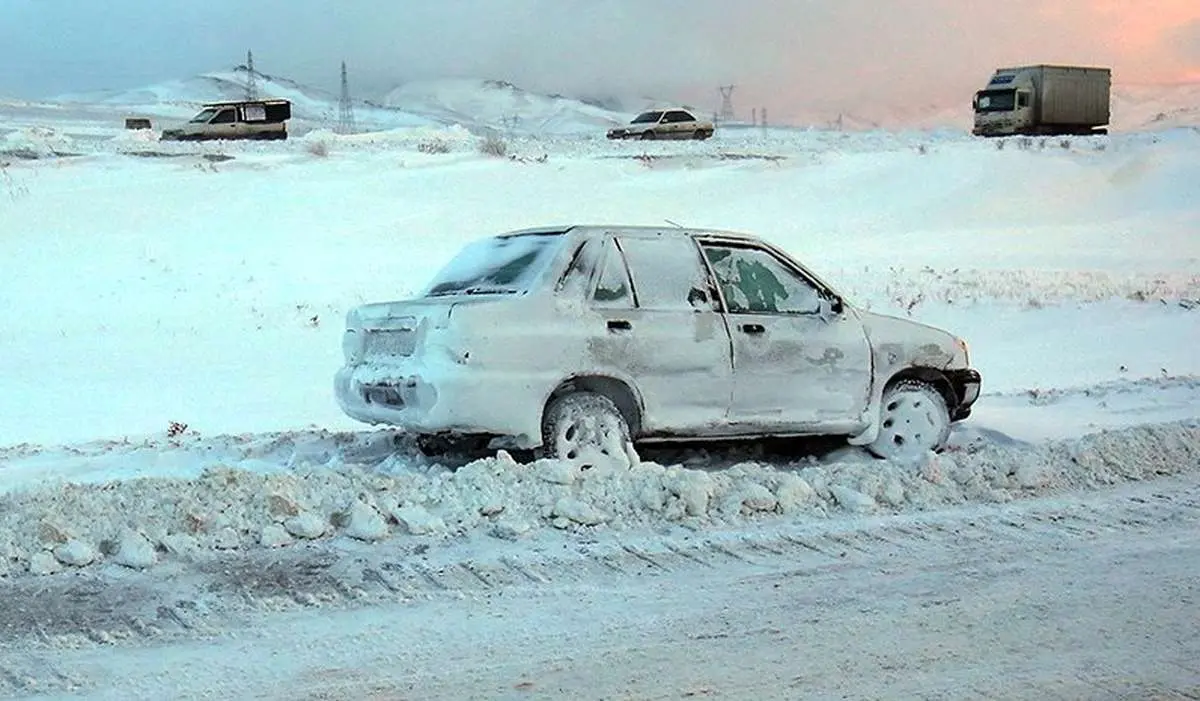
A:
[588,337]
[674,123]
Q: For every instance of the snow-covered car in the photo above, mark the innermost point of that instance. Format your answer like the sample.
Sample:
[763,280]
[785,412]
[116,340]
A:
[590,337]
[674,123]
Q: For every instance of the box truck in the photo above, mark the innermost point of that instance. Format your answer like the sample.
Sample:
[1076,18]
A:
[1044,100]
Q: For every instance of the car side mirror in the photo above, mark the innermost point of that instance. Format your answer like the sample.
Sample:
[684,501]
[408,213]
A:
[828,308]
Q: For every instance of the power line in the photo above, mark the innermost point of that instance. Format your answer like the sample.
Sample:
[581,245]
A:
[345,107]
[726,102]
[251,84]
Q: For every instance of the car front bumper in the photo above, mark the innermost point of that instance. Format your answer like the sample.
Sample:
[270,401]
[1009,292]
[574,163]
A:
[966,384]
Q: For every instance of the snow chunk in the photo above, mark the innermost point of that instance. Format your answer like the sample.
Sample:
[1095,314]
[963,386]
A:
[852,500]
[693,489]
[44,562]
[793,492]
[134,550]
[179,544]
[274,536]
[557,471]
[756,497]
[76,553]
[578,511]
[417,520]
[363,522]
[511,529]
[306,525]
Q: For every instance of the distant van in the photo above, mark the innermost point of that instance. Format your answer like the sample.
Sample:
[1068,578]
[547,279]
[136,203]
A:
[248,119]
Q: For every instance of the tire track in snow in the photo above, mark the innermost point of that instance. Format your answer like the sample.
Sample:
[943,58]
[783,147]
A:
[113,607]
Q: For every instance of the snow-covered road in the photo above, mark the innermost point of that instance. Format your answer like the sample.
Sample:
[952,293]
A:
[1091,596]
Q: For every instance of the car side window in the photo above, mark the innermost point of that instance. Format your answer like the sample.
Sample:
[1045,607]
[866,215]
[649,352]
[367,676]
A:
[754,281]
[679,117]
[613,288]
[668,273]
[223,117]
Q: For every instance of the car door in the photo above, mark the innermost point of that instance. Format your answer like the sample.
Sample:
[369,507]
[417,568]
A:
[224,124]
[682,124]
[659,327]
[797,364]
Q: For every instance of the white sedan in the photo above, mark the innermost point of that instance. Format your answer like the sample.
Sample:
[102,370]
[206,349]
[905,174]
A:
[590,337]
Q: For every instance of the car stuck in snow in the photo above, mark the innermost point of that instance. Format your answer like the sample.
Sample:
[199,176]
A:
[583,338]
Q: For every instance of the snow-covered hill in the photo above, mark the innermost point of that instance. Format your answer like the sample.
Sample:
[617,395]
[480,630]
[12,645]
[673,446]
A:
[495,104]
[181,98]
[1162,106]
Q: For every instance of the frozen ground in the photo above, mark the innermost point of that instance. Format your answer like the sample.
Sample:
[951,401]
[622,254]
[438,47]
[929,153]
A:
[178,490]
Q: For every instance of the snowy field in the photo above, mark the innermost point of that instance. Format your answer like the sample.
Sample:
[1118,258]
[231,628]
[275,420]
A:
[173,322]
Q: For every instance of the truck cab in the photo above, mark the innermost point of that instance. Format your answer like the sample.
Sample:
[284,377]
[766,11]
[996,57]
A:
[1005,106]
[249,119]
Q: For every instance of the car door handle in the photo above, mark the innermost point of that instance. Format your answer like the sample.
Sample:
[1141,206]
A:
[619,325]
[753,329]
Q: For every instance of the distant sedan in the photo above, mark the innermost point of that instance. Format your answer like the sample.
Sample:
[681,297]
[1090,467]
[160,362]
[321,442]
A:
[674,123]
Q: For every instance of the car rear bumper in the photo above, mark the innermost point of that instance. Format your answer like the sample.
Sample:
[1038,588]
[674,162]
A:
[453,404]
[966,384]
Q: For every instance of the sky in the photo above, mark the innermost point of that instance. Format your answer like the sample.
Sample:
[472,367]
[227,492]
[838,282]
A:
[786,55]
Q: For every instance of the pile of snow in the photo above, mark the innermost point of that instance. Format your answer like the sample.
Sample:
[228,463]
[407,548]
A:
[36,142]
[139,522]
[431,140]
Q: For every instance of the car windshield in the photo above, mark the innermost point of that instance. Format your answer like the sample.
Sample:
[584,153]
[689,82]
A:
[996,101]
[647,118]
[204,116]
[498,265]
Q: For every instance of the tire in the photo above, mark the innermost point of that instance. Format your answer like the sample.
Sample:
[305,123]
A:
[913,420]
[578,422]
[648,136]
[700,135]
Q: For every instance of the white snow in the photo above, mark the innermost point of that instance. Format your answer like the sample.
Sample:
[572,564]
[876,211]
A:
[174,318]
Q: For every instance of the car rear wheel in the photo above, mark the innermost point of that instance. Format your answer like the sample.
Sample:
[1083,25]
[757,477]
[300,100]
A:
[579,423]
[913,420]
[700,135]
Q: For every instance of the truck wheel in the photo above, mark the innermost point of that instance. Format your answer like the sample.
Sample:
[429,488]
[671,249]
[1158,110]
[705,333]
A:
[913,420]
[582,422]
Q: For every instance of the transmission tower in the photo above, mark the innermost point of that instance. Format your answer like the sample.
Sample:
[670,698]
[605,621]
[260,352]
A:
[345,107]
[251,85]
[726,102]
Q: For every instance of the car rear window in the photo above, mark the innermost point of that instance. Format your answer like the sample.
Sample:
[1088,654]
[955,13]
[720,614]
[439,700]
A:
[498,265]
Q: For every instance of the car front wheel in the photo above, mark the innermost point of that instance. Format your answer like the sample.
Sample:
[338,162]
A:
[913,420]
[583,422]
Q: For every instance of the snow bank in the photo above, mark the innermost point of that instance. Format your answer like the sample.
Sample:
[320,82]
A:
[36,142]
[424,139]
[139,522]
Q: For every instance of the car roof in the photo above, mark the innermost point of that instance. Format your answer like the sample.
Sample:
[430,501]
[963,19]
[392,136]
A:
[643,231]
